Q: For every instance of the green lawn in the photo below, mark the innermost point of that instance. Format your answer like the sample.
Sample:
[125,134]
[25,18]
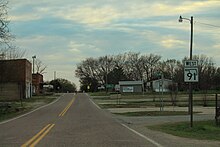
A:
[18,108]
[150,99]
[203,130]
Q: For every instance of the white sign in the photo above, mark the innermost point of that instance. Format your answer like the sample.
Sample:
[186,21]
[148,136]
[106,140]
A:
[191,74]
[128,89]
[117,87]
[191,63]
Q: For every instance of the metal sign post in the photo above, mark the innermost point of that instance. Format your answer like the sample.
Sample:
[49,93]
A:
[217,109]
[191,74]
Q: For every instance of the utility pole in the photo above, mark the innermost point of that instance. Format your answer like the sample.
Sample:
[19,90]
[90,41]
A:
[106,76]
[54,76]
[190,83]
[34,57]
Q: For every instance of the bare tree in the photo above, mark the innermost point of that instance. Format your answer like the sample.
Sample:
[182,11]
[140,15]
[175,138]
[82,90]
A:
[4,30]
[170,68]
[7,49]
[40,67]
[133,67]
[14,52]
[119,60]
[206,74]
[91,69]
[150,64]
[206,67]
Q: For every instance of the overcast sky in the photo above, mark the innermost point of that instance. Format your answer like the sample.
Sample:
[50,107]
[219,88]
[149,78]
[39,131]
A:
[62,33]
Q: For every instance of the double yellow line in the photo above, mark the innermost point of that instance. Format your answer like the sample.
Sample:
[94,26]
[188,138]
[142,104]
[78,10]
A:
[40,135]
[66,108]
[37,138]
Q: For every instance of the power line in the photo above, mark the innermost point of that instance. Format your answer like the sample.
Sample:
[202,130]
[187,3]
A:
[206,24]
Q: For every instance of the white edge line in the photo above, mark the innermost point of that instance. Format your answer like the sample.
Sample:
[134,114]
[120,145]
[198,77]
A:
[148,139]
[9,120]
[93,102]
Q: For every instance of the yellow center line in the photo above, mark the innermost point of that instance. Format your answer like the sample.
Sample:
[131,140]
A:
[34,140]
[66,108]
[42,136]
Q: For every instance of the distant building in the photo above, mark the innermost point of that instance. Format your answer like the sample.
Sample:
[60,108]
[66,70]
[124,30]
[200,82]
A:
[131,86]
[47,88]
[15,79]
[37,83]
[161,85]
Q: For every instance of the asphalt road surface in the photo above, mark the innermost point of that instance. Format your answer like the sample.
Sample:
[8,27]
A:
[72,121]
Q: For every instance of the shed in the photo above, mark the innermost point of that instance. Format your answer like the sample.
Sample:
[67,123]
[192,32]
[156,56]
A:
[162,85]
[131,86]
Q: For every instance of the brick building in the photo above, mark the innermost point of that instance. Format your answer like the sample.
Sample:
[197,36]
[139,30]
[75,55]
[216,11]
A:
[37,83]
[15,79]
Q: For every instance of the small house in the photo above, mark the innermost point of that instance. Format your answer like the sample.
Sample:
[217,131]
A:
[131,86]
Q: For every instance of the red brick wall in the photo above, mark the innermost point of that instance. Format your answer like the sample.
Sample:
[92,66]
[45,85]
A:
[9,91]
[37,81]
[28,74]
[16,71]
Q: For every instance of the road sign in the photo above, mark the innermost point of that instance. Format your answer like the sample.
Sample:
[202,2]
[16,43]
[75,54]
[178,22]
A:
[191,63]
[191,74]
[109,86]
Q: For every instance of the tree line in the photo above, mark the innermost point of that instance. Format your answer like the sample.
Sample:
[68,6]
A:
[132,66]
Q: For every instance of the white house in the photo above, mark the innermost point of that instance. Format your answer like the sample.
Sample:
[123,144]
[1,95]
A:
[131,86]
[161,85]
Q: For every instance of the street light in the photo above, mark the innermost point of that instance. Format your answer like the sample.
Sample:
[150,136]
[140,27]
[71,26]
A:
[191,38]
[34,57]
[190,84]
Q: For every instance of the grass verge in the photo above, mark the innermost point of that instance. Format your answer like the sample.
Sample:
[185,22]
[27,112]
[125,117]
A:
[154,113]
[202,130]
[17,108]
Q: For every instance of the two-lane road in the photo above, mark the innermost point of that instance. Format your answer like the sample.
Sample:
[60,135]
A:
[71,121]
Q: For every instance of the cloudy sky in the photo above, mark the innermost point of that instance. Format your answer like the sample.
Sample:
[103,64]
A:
[62,33]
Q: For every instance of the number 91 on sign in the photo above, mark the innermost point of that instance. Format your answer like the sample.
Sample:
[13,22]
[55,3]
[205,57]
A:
[191,74]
